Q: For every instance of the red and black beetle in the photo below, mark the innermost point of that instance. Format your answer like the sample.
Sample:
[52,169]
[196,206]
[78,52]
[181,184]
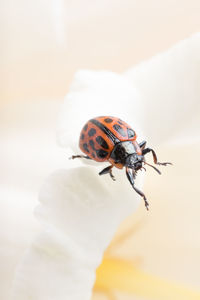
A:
[110,139]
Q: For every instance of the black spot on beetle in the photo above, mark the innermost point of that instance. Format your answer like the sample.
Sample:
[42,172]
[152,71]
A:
[91,132]
[82,136]
[108,120]
[93,155]
[120,122]
[102,142]
[131,133]
[120,130]
[91,142]
[101,153]
[85,127]
[85,147]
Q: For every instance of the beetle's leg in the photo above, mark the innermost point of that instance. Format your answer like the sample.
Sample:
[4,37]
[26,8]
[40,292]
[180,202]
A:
[147,150]
[130,176]
[142,145]
[79,156]
[153,167]
[108,170]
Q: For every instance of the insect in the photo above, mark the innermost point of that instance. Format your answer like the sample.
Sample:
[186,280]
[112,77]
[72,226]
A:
[110,139]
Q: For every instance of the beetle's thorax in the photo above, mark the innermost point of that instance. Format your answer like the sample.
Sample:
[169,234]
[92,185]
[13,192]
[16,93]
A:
[124,152]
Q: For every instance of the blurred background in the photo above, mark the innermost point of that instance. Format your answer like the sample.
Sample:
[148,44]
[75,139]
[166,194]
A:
[43,43]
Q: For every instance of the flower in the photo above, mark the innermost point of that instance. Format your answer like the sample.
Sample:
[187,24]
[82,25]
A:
[80,211]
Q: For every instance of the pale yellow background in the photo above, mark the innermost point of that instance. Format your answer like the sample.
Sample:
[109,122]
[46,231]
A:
[44,42]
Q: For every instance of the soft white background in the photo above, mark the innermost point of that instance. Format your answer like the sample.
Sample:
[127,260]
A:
[43,44]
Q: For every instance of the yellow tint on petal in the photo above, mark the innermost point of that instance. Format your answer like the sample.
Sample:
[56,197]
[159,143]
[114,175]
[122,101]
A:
[123,276]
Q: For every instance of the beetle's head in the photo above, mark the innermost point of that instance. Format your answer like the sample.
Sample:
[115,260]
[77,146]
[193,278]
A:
[134,161]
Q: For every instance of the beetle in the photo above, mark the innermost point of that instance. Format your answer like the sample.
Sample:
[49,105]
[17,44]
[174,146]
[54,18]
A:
[107,138]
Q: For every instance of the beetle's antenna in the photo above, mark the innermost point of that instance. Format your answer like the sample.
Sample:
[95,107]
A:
[153,167]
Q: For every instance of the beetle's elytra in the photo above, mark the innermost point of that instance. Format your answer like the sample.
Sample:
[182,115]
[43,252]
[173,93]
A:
[110,139]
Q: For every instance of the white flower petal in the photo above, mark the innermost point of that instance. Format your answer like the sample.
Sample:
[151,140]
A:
[80,203]
[80,212]
[96,93]
[170,87]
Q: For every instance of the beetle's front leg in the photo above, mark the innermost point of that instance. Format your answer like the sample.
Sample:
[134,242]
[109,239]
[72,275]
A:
[108,170]
[130,176]
[147,150]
